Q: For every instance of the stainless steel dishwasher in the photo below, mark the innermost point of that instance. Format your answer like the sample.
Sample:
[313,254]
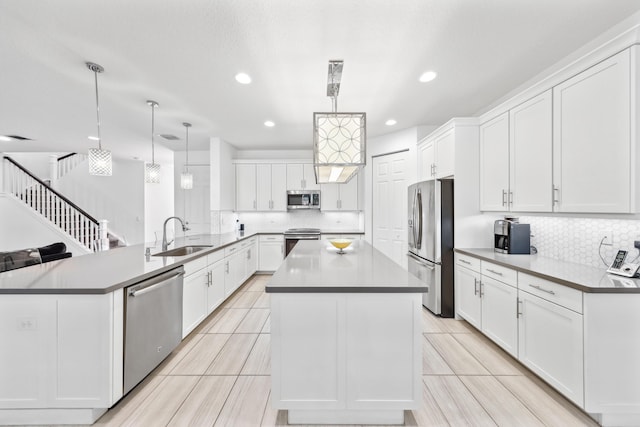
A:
[153,324]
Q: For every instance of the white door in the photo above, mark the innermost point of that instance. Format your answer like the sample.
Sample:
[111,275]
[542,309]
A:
[426,160]
[531,155]
[310,177]
[245,187]
[494,164]
[349,195]
[263,187]
[215,290]
[445,154]
[330,197]
[499,321]
[592,147]
[468,295]
[389,216]
[295,176]
[279,187]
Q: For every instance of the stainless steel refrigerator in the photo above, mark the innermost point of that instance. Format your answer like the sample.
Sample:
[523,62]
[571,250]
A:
[431,242]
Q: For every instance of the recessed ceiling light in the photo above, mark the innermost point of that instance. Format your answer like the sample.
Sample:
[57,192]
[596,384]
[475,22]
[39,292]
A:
[428,76]
[94,138]
[269,124]
[243,78]
[4,138]
[390,122]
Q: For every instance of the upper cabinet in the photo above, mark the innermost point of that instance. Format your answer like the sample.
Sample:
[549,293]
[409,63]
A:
[494,164]
[301,176]
[340,197]
[261,187]
[569,149]
[436,155]
[594,154]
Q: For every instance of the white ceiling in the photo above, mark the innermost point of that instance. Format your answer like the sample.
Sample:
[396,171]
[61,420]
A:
[184,55]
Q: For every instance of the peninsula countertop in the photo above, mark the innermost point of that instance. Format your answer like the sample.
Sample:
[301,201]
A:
[314,266]
[577,276]
[104,272]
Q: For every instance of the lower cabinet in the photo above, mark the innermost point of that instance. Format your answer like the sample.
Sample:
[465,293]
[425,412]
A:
[271,252]
[551,344]
[468,295]
[194,300]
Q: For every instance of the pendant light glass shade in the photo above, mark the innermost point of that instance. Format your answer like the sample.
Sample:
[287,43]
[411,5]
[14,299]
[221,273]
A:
[338,138]
[186,178]
[152,170]
[100,163]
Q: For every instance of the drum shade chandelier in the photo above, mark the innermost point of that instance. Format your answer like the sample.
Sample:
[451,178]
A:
[100,163]
[338,138]
[186,178]
[152,170]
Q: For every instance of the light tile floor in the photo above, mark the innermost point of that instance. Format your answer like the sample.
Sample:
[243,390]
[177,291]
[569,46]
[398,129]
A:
[219,376]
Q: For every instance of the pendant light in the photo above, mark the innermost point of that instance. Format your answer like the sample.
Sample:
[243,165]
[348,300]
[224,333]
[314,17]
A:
[100,163]
[152,170]
[338,138]
[186,178]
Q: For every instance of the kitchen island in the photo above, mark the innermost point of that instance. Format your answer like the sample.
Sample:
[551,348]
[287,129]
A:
[346,336]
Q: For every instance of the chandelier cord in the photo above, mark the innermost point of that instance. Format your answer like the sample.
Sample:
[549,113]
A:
[95,74]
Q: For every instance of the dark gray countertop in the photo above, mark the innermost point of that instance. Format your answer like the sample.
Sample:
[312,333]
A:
[314,266]
[577,276]
[104,272]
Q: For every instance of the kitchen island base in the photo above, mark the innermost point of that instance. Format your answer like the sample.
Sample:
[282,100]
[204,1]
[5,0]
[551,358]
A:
[346,358]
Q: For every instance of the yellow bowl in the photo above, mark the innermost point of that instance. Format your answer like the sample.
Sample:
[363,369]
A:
[340,243]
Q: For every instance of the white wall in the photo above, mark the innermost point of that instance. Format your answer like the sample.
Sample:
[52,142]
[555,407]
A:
[117,198]
[194,205]
[36,163]
[22,228]
[158,204]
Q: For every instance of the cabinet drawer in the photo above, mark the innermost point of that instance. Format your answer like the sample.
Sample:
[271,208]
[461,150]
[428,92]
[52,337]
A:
[468,262]
[498,272]
[230,250]
[215,257]
[195,265]
[272,238]
[551,291]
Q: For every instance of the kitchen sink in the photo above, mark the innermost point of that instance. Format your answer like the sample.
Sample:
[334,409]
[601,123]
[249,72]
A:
[183,250]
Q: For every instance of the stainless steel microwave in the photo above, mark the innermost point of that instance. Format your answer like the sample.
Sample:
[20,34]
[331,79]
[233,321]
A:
[303,199]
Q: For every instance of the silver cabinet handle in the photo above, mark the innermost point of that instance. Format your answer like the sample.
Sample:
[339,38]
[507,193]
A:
[254,204]
[481,285]
[475,286]
[226,267]
[281,249]
[555,195]
[209,278]
[435,168]
[510,198]
[249,254]
[494,272]
[504,198]
[464,261]
[518,312]
[538,287]
[156,283]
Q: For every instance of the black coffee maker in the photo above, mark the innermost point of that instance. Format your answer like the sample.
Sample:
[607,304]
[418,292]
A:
[511,237]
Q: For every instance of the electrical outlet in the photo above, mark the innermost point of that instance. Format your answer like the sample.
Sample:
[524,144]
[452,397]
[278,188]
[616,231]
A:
[27,324]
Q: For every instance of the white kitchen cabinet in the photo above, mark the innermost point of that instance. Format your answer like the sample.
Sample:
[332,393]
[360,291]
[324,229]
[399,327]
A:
[251,263]
[234,272]
[215,288]
[499,321]
[494,164]
[194,301]
[467,284]
[551,344]
[271,187]
[301,176]
[594,155]
[271,250]
[530,152]
[246,187]
[340,197]
[436,156]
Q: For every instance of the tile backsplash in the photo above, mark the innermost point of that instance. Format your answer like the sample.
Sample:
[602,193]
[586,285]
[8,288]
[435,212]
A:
[577,239]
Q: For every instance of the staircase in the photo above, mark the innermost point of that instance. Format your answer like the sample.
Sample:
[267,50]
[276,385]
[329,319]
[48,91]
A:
[56,208]
[69,162]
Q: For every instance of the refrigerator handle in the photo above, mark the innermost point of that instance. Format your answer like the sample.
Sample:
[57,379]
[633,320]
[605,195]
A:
[419,234]
[413,221]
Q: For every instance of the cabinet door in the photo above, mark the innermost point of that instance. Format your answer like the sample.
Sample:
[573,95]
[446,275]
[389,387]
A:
[194,300]
[531,155]
[494,164]
[445,155]
[245,187]
[592,139]
[263,187]
[279,187]
[330,197]
[235,271]
[295,176]
[499,315]
[550,344]
[252,261]
[271,255]
[468,295]
[309,177]
[215,290]
[426,161]
[349,195]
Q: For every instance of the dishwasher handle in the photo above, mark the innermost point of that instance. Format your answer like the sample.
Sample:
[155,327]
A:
[155,283]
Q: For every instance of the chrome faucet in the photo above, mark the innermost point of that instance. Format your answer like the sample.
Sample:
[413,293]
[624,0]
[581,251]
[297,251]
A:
[164,231]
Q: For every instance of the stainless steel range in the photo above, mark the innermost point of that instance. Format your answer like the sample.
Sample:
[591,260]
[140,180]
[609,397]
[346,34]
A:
[292,235]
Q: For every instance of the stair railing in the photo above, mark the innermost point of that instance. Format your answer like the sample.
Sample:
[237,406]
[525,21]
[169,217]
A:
[68,162]
[55,207]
